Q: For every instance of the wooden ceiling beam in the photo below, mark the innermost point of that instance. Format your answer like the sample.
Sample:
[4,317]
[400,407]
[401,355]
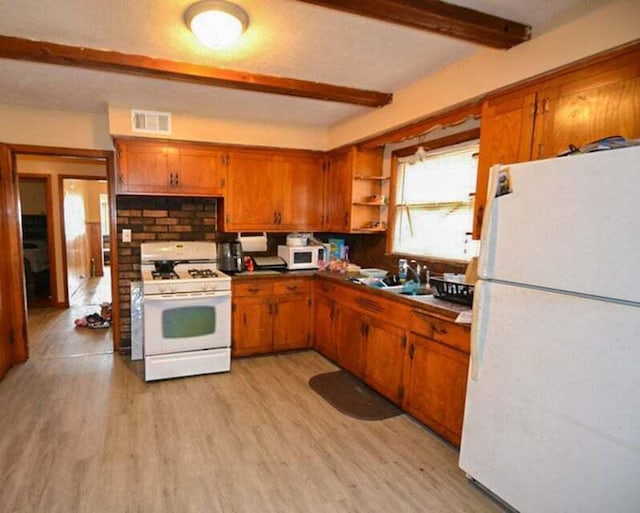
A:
[104,60]
[439,17]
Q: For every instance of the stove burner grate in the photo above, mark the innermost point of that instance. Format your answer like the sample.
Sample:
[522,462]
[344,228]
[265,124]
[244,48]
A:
[201,273]
[161,275]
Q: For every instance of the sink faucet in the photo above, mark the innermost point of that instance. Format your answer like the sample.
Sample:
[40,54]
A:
[415,268]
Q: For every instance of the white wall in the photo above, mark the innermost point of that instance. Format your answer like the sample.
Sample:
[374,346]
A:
[41,127]
[228,131]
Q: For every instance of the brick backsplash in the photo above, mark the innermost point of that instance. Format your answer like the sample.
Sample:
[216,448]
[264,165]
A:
[153,218]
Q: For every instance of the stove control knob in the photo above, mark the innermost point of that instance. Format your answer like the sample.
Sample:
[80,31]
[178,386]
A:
[161,289]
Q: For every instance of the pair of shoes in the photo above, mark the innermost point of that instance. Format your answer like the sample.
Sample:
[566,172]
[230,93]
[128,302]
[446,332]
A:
[92,321]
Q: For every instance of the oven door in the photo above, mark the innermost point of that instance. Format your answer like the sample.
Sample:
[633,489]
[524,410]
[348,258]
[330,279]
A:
[187,322]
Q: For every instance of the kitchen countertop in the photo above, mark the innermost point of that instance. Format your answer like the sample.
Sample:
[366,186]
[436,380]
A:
[431,304]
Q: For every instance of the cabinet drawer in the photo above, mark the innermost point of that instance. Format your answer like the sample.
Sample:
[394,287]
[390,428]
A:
[324,287]
[255,288]
[448,333]
[296,286]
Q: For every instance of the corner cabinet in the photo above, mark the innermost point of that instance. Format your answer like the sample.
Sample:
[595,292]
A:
[589,102]
[170,168]
[274,191]
[356,192]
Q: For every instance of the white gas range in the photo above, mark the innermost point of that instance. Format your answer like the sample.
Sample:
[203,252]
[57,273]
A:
[187,310]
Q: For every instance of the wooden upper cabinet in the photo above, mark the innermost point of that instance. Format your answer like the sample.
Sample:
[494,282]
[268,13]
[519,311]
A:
[505,138]
[250,201]
[353,176]
[577,114]
[201,171]
[273,191]
[597,100]
[338,192]
[143,167]
[160,167]
[300,184]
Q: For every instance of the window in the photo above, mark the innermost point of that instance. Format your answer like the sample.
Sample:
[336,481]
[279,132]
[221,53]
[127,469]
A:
[434,203]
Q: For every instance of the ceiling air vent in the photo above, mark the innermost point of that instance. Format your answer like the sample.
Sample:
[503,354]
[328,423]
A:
[150,122]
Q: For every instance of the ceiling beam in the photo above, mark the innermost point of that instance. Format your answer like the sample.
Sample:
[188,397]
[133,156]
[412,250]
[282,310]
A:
[439,17]
[104,60]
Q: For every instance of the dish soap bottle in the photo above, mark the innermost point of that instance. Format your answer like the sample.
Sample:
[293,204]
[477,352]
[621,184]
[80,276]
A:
[403,266]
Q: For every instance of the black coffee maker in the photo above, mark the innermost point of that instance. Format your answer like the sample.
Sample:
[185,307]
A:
[230,256]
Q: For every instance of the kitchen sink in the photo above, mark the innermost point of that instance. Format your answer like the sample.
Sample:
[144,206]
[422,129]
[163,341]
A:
[400,289]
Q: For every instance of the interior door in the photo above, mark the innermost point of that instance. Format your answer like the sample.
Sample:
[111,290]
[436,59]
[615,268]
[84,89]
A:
[13,332]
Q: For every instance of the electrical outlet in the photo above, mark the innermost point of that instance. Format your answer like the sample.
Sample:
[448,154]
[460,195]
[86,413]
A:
[126,235]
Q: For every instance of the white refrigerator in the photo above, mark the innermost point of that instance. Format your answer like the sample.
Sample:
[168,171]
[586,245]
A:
[552,414]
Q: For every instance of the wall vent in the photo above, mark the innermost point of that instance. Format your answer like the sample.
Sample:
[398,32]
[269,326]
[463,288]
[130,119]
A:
[150,122]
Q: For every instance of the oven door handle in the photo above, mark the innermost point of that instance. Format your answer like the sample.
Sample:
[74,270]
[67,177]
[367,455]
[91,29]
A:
[171,296]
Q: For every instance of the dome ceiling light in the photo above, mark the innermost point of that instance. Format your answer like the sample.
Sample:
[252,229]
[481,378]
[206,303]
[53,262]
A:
[217,24]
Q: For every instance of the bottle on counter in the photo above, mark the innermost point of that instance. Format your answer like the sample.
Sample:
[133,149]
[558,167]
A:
[403,268]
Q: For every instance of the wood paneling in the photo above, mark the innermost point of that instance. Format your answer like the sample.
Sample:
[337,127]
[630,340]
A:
[94,237]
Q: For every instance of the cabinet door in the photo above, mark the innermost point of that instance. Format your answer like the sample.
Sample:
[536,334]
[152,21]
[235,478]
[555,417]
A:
[570,114]
[252,326]
[144,167]
[505,138]
[435,386]
[292,322]
[338,192]
[250,199]
[324,339]
[350,337]
[201,172]
[300,188]
[385,348]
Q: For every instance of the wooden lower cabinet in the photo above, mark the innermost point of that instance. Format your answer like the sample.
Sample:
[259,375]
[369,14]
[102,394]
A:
[269,317]
[292,322]
[385,350]
[252,325]
[414,358]
[324,339]
[435,385]
[351,340]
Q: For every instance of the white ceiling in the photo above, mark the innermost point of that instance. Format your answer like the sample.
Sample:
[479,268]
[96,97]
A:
[285,38]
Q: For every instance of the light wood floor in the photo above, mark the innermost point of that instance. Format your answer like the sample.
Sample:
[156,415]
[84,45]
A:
[85,433]
[52,332]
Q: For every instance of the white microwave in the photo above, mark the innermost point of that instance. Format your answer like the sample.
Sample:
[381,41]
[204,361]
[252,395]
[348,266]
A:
[301,257]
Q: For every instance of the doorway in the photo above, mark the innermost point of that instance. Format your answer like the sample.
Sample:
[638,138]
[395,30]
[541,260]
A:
[37,239]
[85,226]
[15,335]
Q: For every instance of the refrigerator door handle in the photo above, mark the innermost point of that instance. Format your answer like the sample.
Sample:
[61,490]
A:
[487,243]
[478,328]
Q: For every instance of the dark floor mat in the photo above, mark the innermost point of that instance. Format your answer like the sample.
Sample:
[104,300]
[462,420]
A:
[352,397]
